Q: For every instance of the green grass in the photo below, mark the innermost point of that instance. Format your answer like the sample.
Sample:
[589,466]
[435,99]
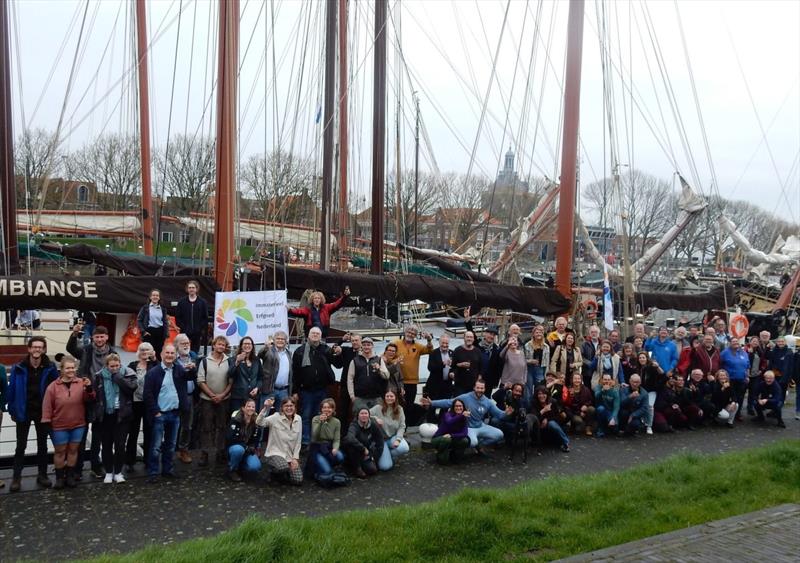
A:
[539,520]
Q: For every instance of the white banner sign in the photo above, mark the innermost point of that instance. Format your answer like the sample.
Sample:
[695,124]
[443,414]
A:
[257,314]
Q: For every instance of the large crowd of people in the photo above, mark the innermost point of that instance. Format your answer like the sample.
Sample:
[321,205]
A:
[283,411]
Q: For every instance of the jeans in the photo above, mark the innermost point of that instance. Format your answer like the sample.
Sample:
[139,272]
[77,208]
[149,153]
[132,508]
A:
[651,402]
[23,429]
[535,377]
[278,394]
[309,407]
[163,441]
[239,459]
[386,461]
[604,418]
[324,468]
[554,427]
[484,435]
[71,436]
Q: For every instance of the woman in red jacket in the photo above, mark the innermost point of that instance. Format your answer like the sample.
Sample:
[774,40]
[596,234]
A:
[64,409]
[318,313]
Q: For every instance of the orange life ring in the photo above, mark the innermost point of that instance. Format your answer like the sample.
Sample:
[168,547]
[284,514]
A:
[590,306]
[740,326]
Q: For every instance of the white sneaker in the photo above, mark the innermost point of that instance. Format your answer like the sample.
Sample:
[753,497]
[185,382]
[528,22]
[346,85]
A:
[109,478]
[119,478]
[649,431]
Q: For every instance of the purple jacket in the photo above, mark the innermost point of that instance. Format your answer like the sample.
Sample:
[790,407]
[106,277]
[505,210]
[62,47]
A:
[453,424]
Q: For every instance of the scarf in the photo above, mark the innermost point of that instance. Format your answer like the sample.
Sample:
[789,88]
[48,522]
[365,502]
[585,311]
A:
[607,363]
[307,354]
[110,390]
[485,346]
[98,357]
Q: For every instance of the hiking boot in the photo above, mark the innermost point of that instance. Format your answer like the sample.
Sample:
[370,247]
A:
[71,475]
[59,479]
[16,484]
[360,473]
[184,456]
[43,481]
[781,424]
[203,459]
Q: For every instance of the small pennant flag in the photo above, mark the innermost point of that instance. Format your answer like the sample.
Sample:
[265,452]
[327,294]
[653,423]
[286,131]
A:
[608,305]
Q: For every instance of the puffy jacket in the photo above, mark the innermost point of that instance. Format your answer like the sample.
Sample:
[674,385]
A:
[127,383]
[17,391]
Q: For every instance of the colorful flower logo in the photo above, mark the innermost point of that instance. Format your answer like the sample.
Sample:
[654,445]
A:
[241,315]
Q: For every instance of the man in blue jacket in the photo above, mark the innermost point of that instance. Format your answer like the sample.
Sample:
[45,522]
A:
[736,362]
[165,396]
[663,351]
[27,384]
[479,407]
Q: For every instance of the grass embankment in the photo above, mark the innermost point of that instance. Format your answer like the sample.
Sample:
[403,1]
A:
[539,520]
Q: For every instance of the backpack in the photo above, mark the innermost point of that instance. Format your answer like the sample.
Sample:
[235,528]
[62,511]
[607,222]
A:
[333,480]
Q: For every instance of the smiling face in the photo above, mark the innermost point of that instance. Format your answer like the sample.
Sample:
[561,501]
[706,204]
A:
[444,342]
[577,380]
[769,377]
[288,408]
[114,366]
[635,382]
[458,406]
[569,340]
[249,408]
[479,388]
[168,355]
[314,335]
[36,349]
[363,417]
[594,333]
[326,409]
[68,369]
[642,358]
[469,339]
[155,297]
[561,324]
[538,332]
[389,398]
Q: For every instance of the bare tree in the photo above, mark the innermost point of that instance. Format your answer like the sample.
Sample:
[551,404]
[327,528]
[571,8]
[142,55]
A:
[35,156]
[113,164]
[281,184]
[428,198]
[643,201]
[462,198]
[184,170]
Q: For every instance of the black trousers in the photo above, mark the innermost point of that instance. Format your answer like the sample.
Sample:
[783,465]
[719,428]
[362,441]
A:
[23,429]
[137,420]
[156,338]
[113,432]
[94,449]
[197,339]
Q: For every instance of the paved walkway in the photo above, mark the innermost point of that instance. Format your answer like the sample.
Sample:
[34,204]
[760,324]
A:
[765,535]
[121,518]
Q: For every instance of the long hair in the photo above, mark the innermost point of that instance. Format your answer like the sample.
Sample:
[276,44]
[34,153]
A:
[252,355]
[395,407]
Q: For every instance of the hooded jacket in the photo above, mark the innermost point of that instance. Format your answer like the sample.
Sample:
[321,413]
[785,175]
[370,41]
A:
[17,391]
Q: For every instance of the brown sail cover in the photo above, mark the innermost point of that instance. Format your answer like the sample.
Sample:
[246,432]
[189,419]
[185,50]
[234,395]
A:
[131,265]
[407,287]
[716,298]
[124,294]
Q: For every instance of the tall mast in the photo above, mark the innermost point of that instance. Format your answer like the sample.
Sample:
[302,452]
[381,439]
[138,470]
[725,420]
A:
[227,78]
[343,215]
[378,136]
[144,127]
[416,169]
[327,141]
[398,182]
[8,191]
[569,150]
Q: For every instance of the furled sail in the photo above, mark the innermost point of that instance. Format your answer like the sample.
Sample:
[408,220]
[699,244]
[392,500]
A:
[789,253]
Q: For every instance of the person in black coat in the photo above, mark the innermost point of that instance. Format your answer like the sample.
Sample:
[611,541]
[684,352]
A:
[153,322]
[244,439]
[363,445]
[191,316]
[440,376]
[491,362]
[769,397]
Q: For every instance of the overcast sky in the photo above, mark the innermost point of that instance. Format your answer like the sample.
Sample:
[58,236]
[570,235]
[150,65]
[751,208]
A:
[744,56]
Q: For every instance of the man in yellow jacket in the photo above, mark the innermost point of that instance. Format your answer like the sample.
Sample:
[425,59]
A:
[408,354]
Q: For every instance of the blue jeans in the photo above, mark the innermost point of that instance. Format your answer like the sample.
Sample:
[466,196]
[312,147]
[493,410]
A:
[278,394]
[72,436]
[323,465]
[165,437]
[603,416]
[535,377]
[555,428]
[386,461]
[484,435]
[309,407]
[238,459]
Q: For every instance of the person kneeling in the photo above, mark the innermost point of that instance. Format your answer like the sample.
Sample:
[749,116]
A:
[634,407]
[283,446]
[451,439]
[547,413]
[243,439]
[769,397]
[363,445]
[392,421]
[324,454]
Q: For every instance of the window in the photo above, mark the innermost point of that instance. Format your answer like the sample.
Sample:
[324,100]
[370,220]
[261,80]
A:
[167,236]
[184,237]
[83,194]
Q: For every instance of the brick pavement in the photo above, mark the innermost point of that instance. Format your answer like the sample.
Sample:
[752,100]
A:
[765,535]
